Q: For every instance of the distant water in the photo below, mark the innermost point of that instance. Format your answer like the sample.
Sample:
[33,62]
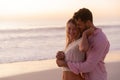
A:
[42,43]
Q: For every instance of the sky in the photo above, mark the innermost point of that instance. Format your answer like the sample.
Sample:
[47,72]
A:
[54,12]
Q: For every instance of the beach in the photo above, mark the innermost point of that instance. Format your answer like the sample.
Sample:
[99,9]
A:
[33,31]
[48,70]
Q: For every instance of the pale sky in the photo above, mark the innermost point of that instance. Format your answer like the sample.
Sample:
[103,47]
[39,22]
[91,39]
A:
[57,12]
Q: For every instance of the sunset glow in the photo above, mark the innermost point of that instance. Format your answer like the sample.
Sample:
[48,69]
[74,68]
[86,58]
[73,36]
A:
[56,12]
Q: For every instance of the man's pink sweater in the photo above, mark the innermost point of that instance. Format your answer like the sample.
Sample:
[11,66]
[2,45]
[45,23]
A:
[93,67]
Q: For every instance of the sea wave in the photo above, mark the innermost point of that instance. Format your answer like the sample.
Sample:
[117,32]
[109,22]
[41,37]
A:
[42,43]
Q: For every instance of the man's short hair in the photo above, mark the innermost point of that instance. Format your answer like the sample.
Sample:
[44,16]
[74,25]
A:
[84,14]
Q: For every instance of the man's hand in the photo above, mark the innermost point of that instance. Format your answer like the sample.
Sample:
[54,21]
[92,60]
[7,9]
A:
[60,55]
[61,63]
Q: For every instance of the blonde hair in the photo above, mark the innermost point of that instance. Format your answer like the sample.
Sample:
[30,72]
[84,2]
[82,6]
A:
[68,41]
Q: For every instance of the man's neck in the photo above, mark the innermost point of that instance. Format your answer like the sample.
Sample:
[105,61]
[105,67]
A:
[92,26]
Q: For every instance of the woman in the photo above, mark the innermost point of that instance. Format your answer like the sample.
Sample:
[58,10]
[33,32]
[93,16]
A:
[76,46]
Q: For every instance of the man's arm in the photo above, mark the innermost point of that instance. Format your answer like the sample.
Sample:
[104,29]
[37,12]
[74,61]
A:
[96,52]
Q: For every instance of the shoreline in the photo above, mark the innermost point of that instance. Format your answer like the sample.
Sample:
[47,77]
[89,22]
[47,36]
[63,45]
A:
[47,69]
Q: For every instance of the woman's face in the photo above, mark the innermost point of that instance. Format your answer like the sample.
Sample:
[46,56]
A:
[72,31]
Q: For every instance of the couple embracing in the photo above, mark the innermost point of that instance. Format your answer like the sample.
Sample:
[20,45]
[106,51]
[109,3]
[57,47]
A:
[85,51]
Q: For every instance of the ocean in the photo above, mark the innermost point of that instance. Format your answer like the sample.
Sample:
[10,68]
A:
[42,43]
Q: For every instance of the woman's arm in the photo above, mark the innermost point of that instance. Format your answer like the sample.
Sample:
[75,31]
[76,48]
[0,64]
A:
[61,63]
[84,45]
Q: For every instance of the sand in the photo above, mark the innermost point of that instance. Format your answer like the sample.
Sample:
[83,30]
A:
[48,70]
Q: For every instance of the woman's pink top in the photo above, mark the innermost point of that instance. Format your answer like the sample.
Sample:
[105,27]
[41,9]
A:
[93,67]
[73,54]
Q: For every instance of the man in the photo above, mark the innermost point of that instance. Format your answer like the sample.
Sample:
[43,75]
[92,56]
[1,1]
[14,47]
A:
[93,66]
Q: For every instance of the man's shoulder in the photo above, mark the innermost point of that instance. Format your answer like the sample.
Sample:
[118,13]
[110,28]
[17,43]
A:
[99,33]
[98,37]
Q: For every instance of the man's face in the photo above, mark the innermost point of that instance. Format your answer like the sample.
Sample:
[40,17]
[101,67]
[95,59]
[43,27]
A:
[82,25]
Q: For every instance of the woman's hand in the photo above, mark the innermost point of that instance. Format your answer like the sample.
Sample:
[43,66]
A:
[88,32]
[61,63]
[60,55]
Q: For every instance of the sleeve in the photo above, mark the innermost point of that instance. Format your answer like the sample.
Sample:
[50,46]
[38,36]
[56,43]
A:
[95,53]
